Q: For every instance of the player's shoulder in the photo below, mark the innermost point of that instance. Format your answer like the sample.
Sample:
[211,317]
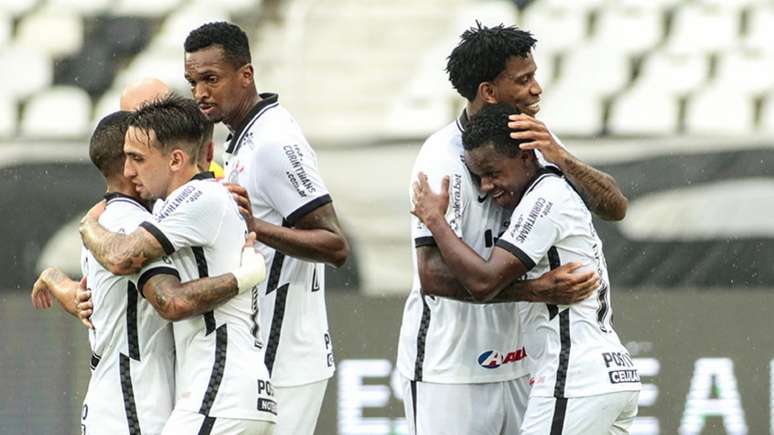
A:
[123,211]
[201,192]
[449,137]
[549,181]
[443,149]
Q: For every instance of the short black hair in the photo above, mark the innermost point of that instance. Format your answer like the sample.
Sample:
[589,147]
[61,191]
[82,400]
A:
[230,37]
[106,147]
[482,55]
[176,121]
[490,126]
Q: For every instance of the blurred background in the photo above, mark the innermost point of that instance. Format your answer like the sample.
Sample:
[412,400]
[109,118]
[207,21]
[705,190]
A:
[674,98]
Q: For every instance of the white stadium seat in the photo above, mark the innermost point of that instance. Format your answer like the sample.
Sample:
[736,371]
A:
[615,26]
[555,29]
[166,65]
[703,29]
[575,6]
[58,33]
[25,71]
[489,13]
[81,7]
[767,115]
[720,111]
[759,28]
[144,8]
[676,74]
[569,110]
[6,26]
[107,104]
[642,110]
[599,69]
[17,7]
[60,112]
[8,117]
[179,23]
[750,72]
[658,5]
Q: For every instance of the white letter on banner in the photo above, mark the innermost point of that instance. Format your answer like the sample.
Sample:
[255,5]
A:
[717,372]
[646,425]
[355,395]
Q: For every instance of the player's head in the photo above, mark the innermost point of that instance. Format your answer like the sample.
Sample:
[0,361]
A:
[495,65]
[503,168]
[163,145]
[217,66]
[138,93]
[106,147]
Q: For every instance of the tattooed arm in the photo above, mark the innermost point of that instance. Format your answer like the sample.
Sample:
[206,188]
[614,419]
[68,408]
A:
[599,190]
[54,282]
[121,254]
[176,301]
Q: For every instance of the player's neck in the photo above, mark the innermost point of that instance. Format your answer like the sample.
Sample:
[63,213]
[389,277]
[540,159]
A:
[181,177]
[121,185]
[240,114]
[473,107]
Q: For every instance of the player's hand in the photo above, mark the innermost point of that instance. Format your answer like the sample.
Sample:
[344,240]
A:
[537,137]
[96,211]
[242,199]
[252,268]
[428,205]
[41,294]
[566,285]
[83,304]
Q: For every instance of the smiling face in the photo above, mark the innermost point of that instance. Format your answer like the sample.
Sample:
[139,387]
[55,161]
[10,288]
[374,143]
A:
[217,85]
[146,167]
[504,178]
[517,86]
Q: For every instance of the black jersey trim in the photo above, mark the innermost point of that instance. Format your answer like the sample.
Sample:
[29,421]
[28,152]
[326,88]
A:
[268,100]
[414,405]
[94,361]
[518,253]
[204,175]
[560,411]
[603,307]
[127,391]
[168,247]
[132,336]
[542,174]
[463,121]
[564,353]
[424,241]
[207,424]
[218,367]
[275,332]
[308,208]
[112,197]
[150,273]
[424,325]
[203,270]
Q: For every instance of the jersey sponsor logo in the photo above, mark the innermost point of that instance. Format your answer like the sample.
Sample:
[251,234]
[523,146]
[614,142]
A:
[456,202]
[482,198]
[491,359]
[188,194]
[624,377]
[623,368]
[298,176]
[524,228]
[267,405]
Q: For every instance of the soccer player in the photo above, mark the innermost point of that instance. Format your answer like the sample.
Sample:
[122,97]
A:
[446,364]
[288,206]
[583,379]
[132,346]
[222,387]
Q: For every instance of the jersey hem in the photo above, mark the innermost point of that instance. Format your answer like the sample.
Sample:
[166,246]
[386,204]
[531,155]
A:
[518,253]
[477,380]
[308,208]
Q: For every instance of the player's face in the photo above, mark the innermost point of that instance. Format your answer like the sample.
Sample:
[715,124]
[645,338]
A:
[216,84]
[504,178]
[146,167]
[517,85]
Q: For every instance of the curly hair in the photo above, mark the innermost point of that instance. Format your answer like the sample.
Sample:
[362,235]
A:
[482,55]
[490,126]
[233,40]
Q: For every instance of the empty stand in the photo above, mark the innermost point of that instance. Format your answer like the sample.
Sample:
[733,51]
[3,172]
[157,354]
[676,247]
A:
[720,111]
[62,112]
[55,32]
[616,28]
[8,118]
[570,110]
[25,71]
[699,28]
[642,112]
[556,28]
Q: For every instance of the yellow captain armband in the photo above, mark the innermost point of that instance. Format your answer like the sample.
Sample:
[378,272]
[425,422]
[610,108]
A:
[216,169]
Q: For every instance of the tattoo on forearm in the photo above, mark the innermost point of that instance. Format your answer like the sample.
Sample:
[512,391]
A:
[193,297]
[598,189]
[120,252]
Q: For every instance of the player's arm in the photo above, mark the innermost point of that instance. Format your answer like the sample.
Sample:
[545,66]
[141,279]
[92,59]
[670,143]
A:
[174,300]
[599,190]
[55,284]
[120,254]
[562,285]
[316,236]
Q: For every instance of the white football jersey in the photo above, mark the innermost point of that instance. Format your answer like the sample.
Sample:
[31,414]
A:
[220,371]
[269,156]
[573,349]
[443,340]
[131,389]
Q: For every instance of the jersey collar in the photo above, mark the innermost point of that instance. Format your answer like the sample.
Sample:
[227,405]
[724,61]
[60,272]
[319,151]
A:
[463,121]
[206,175]
[267,100]
[123,197]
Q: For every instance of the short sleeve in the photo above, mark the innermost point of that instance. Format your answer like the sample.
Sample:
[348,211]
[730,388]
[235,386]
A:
[289,178]
[159,266]
[436,169]
[192,217]
[535,224]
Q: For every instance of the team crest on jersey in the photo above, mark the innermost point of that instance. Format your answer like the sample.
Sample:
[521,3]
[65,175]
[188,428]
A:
[492,359]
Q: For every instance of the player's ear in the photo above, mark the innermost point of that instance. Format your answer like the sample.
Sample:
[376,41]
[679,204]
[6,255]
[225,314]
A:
[177,159]
[246,74]
[487,92]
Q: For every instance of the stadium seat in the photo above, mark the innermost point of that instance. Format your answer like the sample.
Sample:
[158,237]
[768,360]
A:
[575,6]
[734,5]
[232,6]
[720,111]
[599,69]
[703,29]
[570,110]
[489,13]
[643,111]
[615,21]
[81,7]
[658,5]
[58,33]
[676,74]
[107,104]
[8,117]
[556,29]
[6,27]
[745,71]
[179,23]
[144,8]
[25,71]
[760,23]
[60,112]
[17,8]
[165,65]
